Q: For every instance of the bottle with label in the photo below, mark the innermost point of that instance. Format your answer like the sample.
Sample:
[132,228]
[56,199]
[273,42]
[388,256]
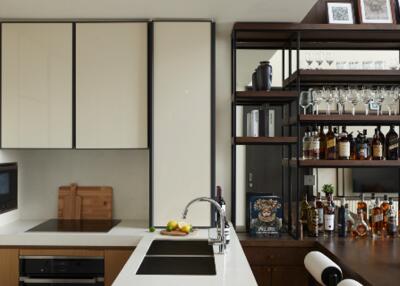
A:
[304,206]
[391,229]
[344,145]
[371,205]
[320,210]
[322,143]
[377,147]
[312,218]
[385,210]
[362,146]
[329,215]
[353,148]
[330,145]
[315,144]
[383,141]
[307,144]
[377,219]
[220,200]
[362,205]
[360,227]
[392,144]
[349,219]
[342,218]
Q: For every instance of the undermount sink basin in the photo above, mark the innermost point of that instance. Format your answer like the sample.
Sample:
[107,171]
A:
[178,257]
[184,265]
[180,247]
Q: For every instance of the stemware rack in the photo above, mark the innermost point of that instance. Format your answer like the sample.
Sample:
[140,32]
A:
[291,38]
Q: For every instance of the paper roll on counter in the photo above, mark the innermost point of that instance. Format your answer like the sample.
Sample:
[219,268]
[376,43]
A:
[324,270]
[349,282]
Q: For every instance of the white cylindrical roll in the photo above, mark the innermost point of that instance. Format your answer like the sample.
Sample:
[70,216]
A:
[321,267]
[349,282]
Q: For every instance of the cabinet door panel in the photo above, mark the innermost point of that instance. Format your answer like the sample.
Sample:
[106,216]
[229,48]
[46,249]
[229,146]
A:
[9,267]
[114,261]
[182,120]
[289,275]
[262,275]
[111,85]
[37,85]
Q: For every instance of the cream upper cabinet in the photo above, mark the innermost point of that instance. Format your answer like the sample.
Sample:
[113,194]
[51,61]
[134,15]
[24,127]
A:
[111,85]
[36,110]
[182,121]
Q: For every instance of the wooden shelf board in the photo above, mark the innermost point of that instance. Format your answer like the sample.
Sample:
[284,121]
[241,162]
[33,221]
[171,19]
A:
[278,140]
[334,77]
[349,119]
[259,97]
[345,163]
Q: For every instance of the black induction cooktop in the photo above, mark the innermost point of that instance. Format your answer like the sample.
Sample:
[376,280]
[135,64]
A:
[64,225]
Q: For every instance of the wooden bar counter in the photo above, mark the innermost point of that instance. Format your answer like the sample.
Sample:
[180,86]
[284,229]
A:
[279,261]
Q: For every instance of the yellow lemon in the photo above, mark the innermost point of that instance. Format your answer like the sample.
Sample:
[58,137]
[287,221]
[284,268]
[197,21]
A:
[172,225]
[187,228]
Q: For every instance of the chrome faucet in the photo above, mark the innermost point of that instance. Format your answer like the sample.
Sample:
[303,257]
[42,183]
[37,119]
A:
[221,239]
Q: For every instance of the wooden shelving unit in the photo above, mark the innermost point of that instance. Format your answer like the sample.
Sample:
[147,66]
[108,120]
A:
[261,97]
[278,140]
[348,119]
[344,163]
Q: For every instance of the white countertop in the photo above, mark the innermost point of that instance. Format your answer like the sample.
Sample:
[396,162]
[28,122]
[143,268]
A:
[126,233]
[232,267]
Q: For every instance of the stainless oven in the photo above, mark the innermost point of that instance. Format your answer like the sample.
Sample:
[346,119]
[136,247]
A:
[8,187]
[61,271]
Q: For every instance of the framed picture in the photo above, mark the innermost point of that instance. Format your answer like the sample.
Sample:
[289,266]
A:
[340,13]
[376,11]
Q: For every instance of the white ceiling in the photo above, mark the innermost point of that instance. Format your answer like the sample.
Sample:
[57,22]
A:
[220,10]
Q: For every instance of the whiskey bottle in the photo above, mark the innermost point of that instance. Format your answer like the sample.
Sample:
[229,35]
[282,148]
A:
[362,146]
[312,218]
[377,219]
[383,141]
[370,207]
[322,143]
[385,210]
[320,209]
[304,206]
[342,218]
[377,146]
[353,148]
[360,227]
[392,144]
[349,219]
[362,205]
[330,145]
[315,144]
[344,145]
[391,228]
[329,215]
[307,144]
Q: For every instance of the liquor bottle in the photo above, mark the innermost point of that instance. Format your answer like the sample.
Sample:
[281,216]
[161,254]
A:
[322,143]
[315,144]
[330,145]
[362,146]
[304,206]
[362,205]
[383,141]
[320,209]
[377,219]
[344,145]
[312,218]
[306,144]
[342,219]
[349,219]
[370,207]
[353,148]
[377,147]
[391,228]
[329,215]
[360,227]
[385,210]
[392,144]
[220,200]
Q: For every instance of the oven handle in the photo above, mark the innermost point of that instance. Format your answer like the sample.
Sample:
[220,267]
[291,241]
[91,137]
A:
[60,281]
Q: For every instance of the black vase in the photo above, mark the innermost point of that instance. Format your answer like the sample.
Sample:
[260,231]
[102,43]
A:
[264,76]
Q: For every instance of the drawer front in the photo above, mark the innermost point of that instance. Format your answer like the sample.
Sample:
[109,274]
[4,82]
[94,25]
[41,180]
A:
[276,256]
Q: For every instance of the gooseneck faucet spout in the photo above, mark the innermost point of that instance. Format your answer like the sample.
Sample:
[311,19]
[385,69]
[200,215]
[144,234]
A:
[221,239]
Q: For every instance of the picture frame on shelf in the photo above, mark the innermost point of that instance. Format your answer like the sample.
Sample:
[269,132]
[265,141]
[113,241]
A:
[340,13]
[376,12]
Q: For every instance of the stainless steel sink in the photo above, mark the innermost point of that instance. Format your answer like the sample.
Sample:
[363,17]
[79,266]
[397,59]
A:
[180,247]
[178,257]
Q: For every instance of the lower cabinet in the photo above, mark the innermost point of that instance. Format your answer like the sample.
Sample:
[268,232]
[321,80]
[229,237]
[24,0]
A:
[114,260]
[278,266]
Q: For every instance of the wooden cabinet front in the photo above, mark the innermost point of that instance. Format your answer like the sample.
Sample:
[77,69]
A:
[9,267]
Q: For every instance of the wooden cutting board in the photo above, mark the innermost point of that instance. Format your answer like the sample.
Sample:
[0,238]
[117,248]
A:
[72,204]
[173,233]
[95,202]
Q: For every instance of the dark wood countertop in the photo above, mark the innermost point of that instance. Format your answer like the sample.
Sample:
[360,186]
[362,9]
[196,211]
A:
[372,262]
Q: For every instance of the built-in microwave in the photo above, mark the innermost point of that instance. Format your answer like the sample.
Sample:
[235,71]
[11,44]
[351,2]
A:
[8,187]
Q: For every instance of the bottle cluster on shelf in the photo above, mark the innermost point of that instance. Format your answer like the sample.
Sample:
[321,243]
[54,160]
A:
[374,219]
[318,145]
